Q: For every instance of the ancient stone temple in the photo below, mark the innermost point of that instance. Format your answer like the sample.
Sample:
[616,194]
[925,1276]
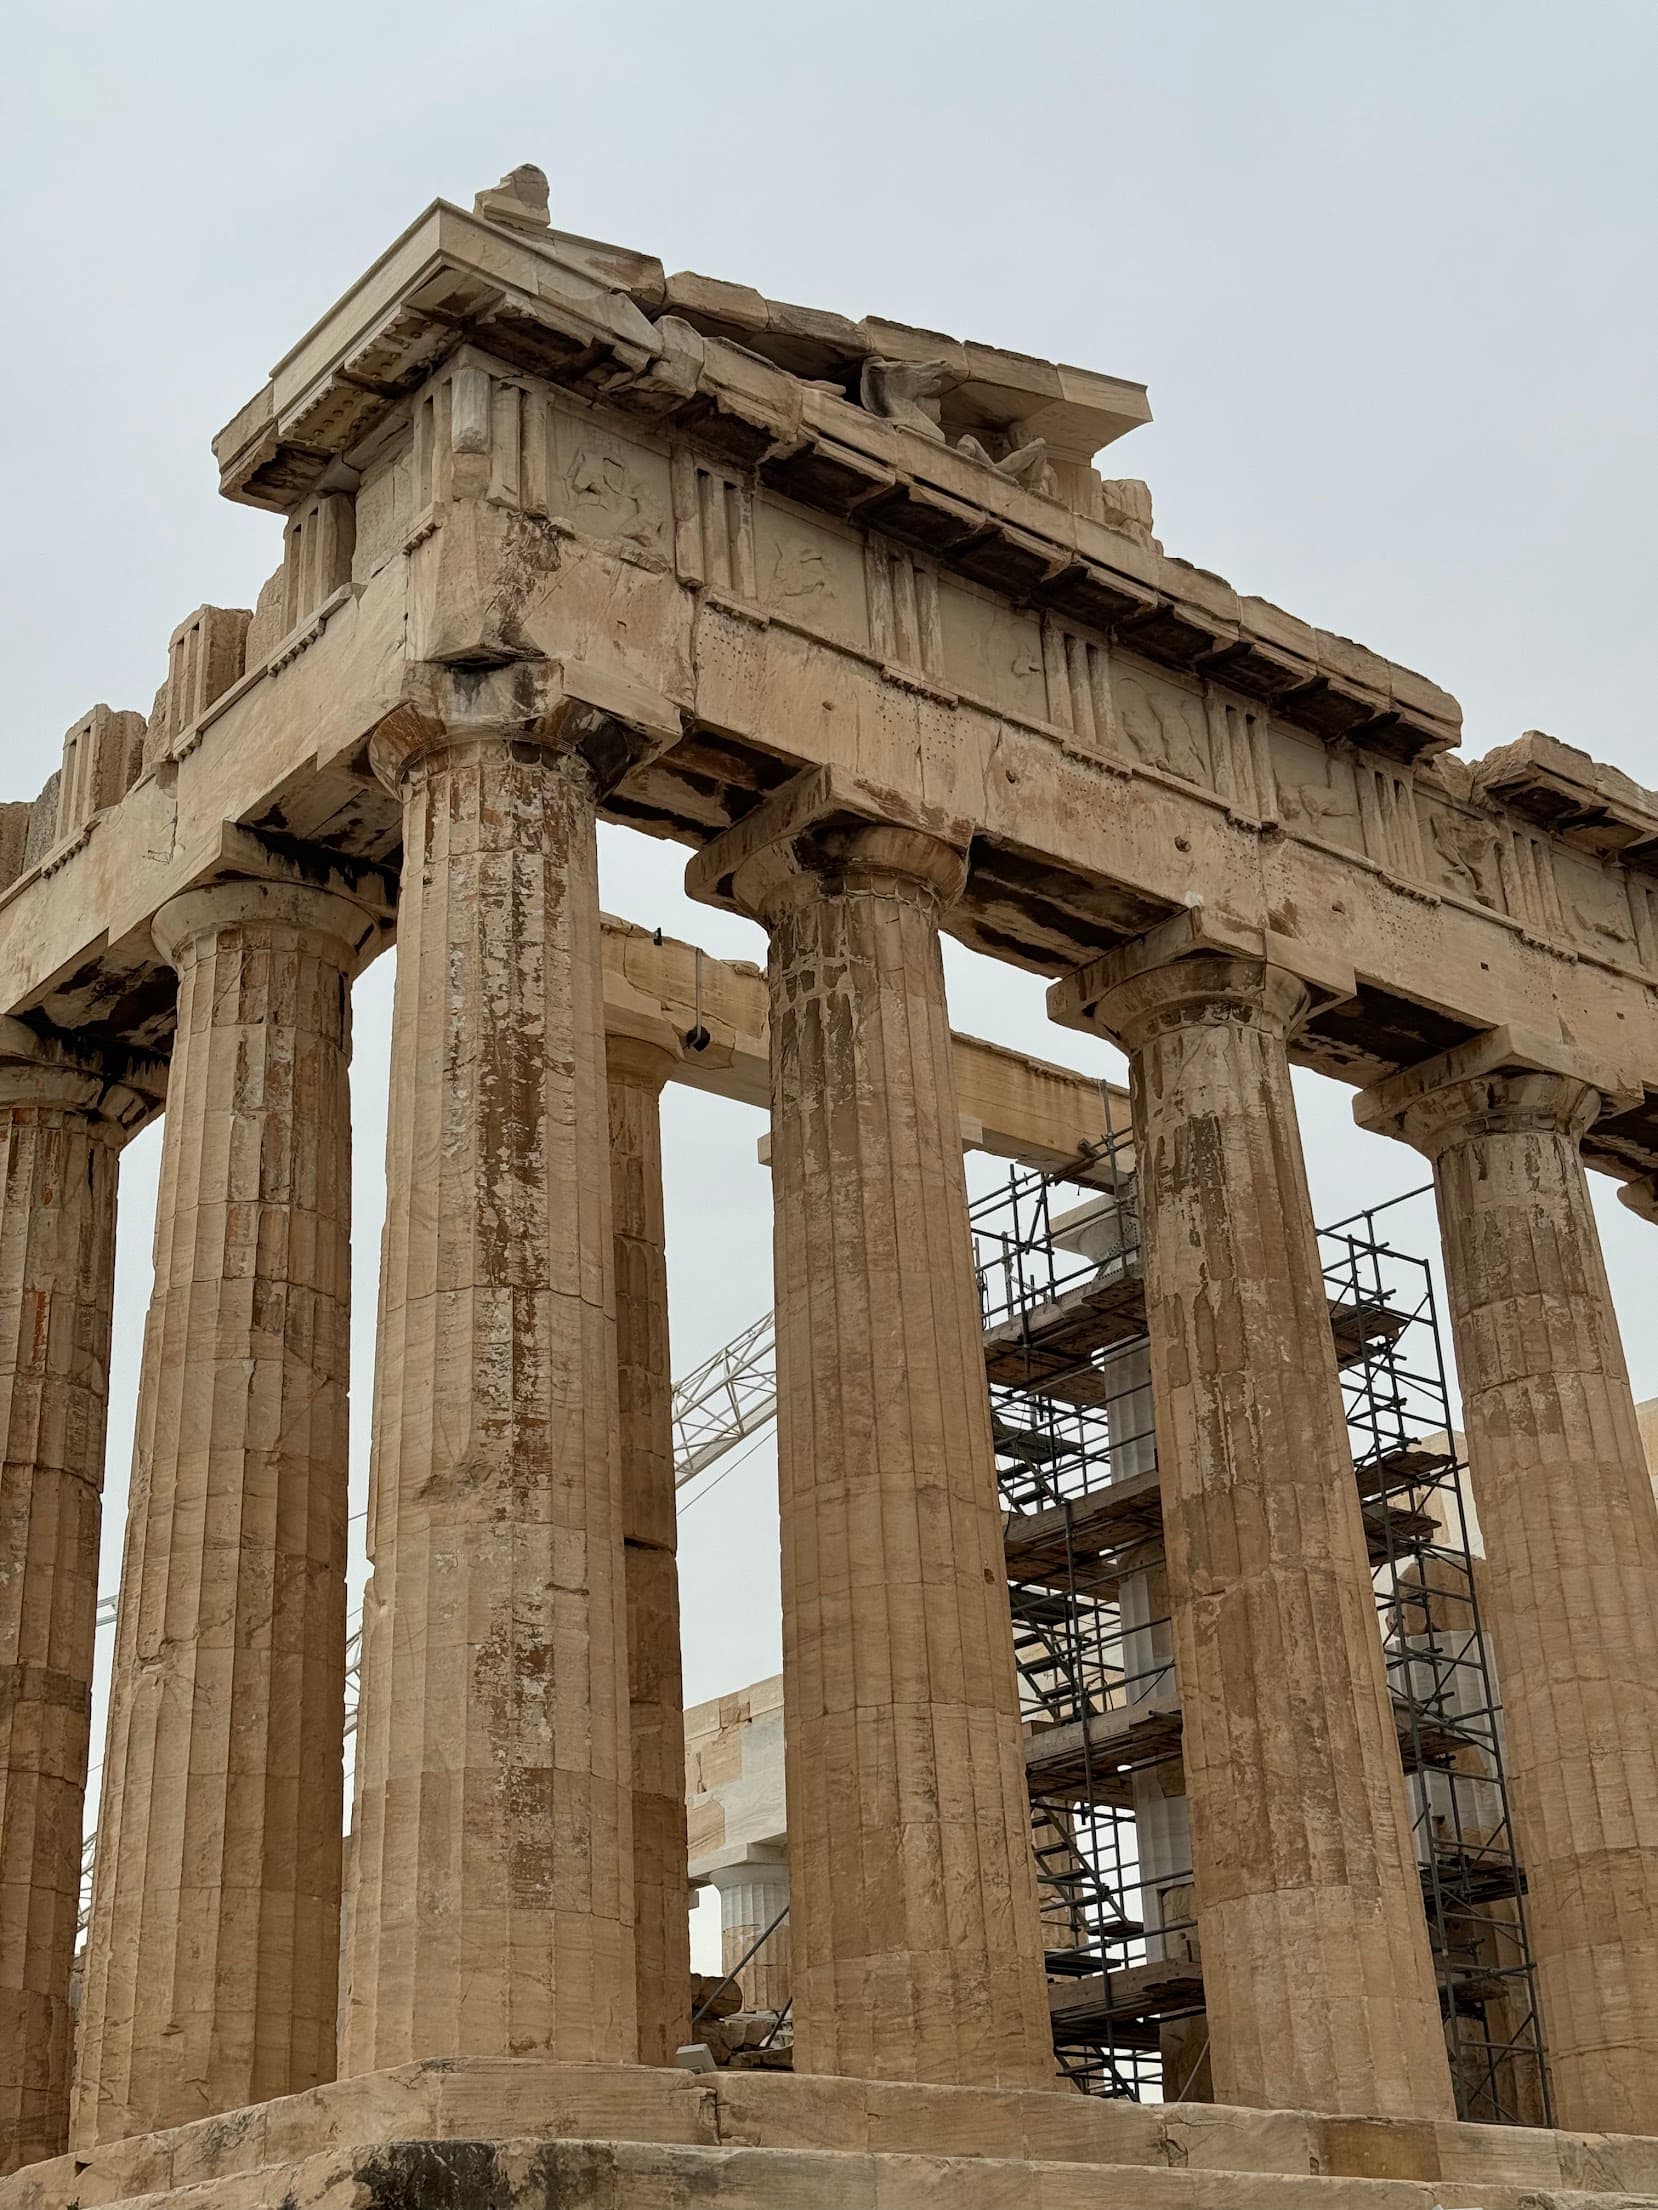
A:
[846,609]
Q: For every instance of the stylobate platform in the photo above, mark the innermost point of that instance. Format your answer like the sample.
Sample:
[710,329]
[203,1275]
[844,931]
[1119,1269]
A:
[487,2134]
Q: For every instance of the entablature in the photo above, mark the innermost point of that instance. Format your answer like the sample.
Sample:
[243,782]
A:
[505,445]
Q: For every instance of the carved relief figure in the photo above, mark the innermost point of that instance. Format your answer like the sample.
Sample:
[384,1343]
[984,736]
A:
[798,571]
[1596,903]
[1469,853]
[1324,810]
[608,498]
[1163,728]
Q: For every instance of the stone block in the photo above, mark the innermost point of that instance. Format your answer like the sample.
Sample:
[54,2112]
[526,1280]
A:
[1214,2137]
[1380,2148]
[1473,2155]
[954,2182]
[488,2097]
[376,2106]
[140,2165]
[1614,2162]
[234,2142]
[943,2121]
[805,2109]
[1088,2129]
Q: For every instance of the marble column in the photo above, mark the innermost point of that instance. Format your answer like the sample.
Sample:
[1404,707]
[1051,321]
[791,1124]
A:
[637,1066]
[916,1941]
[212,1953]
[1569,1587]
[493,1907]
[1318,1982]
[63,1121]
[752,1894]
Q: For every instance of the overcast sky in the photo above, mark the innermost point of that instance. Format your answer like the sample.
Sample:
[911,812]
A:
[1387,270]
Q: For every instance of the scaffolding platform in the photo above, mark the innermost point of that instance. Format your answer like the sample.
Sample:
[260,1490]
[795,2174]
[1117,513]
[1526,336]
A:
[1050,1546]
[1091,1760]
[1100,2005]
[1050,1348]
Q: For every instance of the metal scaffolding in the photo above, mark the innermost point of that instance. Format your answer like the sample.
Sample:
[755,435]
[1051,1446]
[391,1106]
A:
[1067,1359]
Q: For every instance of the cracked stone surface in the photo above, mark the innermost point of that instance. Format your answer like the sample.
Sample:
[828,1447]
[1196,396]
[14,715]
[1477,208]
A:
[493,1907]
[1318,1983]
[636,1068]
[211,1958]
[1570,1525]
[915,1940]
[59,1143]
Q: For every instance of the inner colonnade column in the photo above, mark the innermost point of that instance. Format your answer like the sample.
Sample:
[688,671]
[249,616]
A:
[212,1955]
[754,1895]
[493,1903]
[916,1944]
[63,1121]
[1318,1982]
[639,1059]
[1565,1502]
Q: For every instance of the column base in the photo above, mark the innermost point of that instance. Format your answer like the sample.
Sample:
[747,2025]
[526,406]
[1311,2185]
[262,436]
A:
[521,2134]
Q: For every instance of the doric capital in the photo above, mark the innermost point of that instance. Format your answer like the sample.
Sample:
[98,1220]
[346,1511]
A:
[826,829]
[1505,1082]
[355,927]
[1199,966]
[641,1045]
[562,708]
[1642,1197]
[119,1094]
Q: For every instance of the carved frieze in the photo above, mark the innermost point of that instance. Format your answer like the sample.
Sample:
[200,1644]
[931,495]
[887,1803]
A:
[992,652]
[812,576]
[1595,901]
[206,654]
[1391,831]
[1240,745]
[614,494]
[1463,856]
[101,759]
[1163,725]
[317,547]
[1531,894]
[905,631]
[1077,684]
[713,527]
[1317,792]
[1643,914]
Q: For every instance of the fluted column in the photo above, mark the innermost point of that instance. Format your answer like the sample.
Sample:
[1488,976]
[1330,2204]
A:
[1318,1983]
[212,1953]
[752,1896]
[62,1124]
[1569,1589]
[637,1066]
[493,1907]
[916,1941]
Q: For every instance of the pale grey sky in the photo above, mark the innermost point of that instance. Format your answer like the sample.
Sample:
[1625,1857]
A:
[1386,269]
